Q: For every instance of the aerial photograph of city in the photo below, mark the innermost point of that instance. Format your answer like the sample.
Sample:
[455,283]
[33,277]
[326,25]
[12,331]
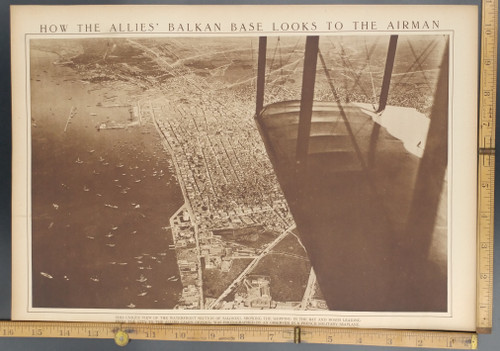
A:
[171,172]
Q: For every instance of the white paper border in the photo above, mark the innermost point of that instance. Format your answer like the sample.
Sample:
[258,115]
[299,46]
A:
[458,21]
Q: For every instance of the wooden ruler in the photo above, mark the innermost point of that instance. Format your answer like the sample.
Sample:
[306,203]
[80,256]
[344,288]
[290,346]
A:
[122,333]
[486,165]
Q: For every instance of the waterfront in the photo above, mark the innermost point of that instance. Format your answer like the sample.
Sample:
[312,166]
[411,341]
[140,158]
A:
[152,187]
[98,199]
[139,153]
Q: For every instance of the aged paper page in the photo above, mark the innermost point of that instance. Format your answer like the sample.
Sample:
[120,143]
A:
[305,165]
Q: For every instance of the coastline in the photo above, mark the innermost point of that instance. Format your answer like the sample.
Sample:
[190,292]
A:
[85,184]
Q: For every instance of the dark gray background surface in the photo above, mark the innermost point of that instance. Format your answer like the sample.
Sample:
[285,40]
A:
[486,342]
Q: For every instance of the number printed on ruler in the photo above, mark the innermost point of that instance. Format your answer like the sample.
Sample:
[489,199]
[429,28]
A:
[489,41]
[485,240]
[486,164]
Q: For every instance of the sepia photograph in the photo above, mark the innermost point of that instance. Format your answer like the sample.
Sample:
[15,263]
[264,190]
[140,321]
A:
[264,173]
[298,170]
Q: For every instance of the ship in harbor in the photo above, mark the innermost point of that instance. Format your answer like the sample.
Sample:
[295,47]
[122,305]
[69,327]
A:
[366,185]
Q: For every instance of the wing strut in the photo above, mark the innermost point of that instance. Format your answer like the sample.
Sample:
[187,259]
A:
[261,75]
[389,64]
[306,102]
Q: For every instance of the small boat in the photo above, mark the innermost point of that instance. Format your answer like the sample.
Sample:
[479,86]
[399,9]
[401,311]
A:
[141,279]
[46,275]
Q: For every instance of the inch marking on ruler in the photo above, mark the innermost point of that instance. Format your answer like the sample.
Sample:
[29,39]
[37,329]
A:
[284,334]
[486,166]
[399,338]
[485,243]
[487,98]
[280,334]
[227,333]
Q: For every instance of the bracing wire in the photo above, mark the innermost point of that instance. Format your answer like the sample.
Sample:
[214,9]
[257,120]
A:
[419,66]
[368,59]
[254,72]
[342,113]
[274,55]
[352,136]
[281,62]
[356,76]
[423,56]
[284,78]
